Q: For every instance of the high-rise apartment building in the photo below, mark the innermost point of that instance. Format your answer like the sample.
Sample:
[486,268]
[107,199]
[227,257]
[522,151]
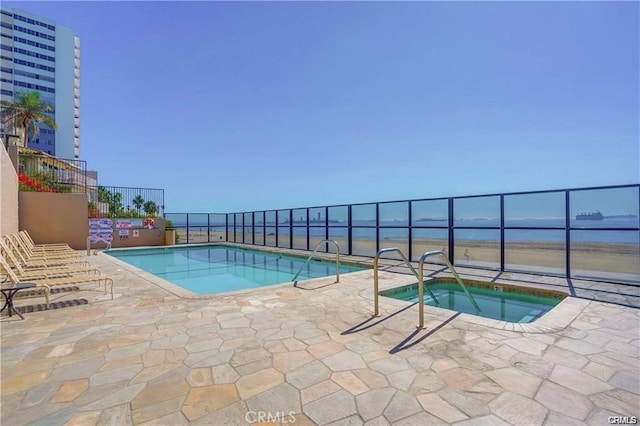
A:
[39,55]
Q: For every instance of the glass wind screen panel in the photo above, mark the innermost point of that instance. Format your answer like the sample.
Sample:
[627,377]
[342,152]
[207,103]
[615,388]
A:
[248,219]
[341,236]
[195,234]
[317,216]
[477,212]
[259,218]
[315,239]
[248,234]
[394,214]
[217,220]
[477,247]
[238,219]
[270,218]
[604,208]
[300,237]
[425,240]
[284,237]
[300,217]
[217,233]
[338,216]
[258,236]
[430,213]
[284,217]
[611,255]
[198,219]
[363,215]
[535,210]
[238,235]
[231,220]
[364,241]
[398,237]
[270,238]
[535,251]
[177,219]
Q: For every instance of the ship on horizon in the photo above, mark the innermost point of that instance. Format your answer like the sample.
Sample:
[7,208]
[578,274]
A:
[590,216]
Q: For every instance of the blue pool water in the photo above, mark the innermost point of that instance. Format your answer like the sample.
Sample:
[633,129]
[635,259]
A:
[219,269]
[500,305]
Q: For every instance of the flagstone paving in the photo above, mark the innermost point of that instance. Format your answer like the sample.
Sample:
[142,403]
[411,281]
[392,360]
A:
[312,355]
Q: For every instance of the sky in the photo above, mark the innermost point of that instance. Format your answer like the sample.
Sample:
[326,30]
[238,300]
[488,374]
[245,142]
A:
[240,106]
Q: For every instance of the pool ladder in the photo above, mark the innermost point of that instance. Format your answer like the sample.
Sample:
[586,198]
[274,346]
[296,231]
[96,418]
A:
[314,252]
[95,251]
[420,276]
[375,277]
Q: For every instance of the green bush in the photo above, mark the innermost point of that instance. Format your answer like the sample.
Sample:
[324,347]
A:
[168,225]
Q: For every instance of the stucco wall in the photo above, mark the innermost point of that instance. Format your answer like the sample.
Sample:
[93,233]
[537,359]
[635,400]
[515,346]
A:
[62,218]
[55,218]
[8,195]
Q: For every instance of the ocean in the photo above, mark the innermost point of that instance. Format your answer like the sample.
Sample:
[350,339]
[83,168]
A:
[582,230]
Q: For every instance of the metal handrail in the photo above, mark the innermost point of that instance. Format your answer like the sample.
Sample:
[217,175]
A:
[455,274]
[95,251]
[375,277]
[314,252]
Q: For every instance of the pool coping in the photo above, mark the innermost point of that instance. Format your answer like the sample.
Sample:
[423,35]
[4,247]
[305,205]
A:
[558,318]
[182,292]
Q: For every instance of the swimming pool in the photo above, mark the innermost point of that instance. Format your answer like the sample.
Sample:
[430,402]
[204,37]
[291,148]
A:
[496,301]
[220,269]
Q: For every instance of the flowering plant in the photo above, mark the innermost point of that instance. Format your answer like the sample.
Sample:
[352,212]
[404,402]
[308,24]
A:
[28,184]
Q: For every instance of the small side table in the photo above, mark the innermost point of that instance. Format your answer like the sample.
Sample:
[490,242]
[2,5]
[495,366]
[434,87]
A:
[9,293]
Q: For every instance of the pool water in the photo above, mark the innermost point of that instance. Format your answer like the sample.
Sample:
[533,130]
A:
[219,269]
[499,305]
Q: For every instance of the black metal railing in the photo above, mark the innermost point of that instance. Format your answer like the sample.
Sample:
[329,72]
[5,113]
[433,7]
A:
[589,233]
[124,202]
[44,173]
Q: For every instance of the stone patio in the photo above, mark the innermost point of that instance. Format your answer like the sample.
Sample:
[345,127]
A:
[313,354]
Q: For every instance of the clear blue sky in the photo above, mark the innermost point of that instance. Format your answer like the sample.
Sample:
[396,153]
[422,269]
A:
[251,106]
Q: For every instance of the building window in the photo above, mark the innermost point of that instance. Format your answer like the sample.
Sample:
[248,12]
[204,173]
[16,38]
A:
[35,44]
[34,86]
[36,76]
[34,54]
[6,92]
[31,64]
[35,33]
[34,22]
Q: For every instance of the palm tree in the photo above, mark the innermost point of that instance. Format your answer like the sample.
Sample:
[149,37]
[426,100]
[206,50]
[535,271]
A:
[150,208]
[138,202]
[28,110]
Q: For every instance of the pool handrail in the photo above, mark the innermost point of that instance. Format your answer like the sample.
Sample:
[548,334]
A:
[95,252]
[314,252]
[376,310]
[420,287]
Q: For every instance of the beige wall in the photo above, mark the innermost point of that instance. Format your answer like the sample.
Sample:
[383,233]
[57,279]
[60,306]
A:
[62,218]
[8,195]
[55,218]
